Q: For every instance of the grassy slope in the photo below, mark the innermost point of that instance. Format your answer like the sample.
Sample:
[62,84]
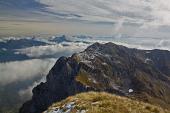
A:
[93,102]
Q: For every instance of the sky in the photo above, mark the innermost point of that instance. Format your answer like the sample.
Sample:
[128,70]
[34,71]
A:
[142,24]
[139,18]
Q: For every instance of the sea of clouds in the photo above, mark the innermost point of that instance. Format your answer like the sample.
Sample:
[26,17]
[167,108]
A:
[38,61]
[41,58]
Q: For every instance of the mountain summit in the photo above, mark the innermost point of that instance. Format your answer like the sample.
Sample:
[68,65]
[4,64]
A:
[138,74]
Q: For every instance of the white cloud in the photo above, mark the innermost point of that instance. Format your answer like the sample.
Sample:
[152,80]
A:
[140,17]
[146,11]
[147,15]
[25,94]
[144,43]
[56,50]
[23,70]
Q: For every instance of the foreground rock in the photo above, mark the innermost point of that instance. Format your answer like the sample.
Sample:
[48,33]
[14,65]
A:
[139,74]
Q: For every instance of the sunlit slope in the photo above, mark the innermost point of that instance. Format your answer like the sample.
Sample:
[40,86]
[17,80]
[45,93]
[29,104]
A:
[93,102]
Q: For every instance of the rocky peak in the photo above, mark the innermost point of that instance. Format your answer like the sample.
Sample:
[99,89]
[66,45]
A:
[106,67]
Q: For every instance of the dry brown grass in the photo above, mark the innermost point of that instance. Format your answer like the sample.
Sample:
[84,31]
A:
[102,102]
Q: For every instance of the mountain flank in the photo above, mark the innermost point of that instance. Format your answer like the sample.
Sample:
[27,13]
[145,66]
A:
[142,75]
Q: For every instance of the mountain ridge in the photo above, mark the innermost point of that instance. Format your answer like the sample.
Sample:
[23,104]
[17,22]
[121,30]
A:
[101,102]
[106,67]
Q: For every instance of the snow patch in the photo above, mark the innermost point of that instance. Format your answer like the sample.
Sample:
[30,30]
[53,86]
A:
[147,60]
[130,91]
[94,81]
[148,52]
[104,63]
[67,108]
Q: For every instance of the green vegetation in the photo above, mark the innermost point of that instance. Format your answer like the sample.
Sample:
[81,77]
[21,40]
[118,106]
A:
[93,102]
[83,77]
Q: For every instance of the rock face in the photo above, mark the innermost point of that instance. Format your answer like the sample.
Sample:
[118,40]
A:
[138,74]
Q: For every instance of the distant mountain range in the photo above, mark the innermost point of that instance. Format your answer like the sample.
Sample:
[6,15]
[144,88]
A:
[10,47]
[143,75]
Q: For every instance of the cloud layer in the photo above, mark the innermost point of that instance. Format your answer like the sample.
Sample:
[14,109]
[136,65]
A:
[22,70]
[54,51]
[147,18]
[151,12]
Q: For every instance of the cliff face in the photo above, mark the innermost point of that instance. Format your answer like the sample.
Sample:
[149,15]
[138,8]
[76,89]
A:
[138,74]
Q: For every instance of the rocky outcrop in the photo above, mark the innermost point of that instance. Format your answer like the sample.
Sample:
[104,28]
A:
[137,74]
